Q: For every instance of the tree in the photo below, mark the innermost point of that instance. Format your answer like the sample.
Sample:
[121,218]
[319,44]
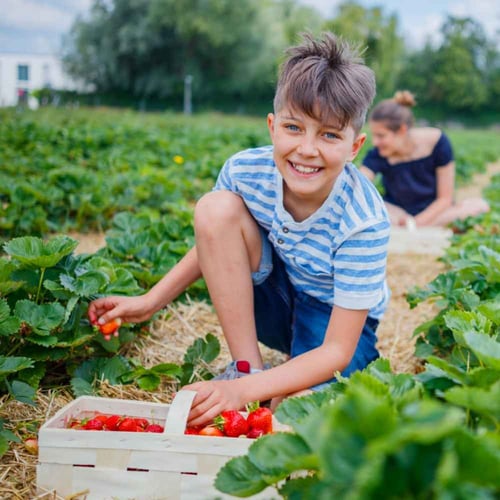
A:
[379,34]
[460,73]
[147,47]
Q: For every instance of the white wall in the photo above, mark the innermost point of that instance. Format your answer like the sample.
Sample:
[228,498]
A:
[44,71]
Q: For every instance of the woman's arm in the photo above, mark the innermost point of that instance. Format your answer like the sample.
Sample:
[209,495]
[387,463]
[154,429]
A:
[445,180]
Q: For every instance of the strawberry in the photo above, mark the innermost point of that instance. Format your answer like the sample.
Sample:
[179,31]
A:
[261,419]
[74,423]
[93,425]
[142,423]
[102,418]
[154,428]
[210,430]
[255,433]
[31,445]
[112,422]
[127,425]
[193,430]
[110,328]
[232,423]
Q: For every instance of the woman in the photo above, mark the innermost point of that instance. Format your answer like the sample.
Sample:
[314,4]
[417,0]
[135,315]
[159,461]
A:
[417,168]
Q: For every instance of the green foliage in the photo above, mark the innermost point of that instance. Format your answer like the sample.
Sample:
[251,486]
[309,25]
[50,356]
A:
[85,167]
[43,327]
[371,28]
[147,47]
[461,74]
[377,437]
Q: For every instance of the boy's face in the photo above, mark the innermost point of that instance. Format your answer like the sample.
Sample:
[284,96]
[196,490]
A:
[310,155]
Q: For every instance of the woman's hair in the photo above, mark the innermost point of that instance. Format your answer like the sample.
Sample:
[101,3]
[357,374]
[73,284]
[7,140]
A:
[326,77]
[396,111]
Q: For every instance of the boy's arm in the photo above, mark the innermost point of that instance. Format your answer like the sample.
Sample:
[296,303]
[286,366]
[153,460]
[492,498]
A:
[141,308]
[304,371]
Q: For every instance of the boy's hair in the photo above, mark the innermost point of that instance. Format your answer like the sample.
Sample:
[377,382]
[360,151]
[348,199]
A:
[327,80]
[395,112]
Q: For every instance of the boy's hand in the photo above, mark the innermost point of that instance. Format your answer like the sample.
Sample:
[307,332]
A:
[129,309]
[212,398]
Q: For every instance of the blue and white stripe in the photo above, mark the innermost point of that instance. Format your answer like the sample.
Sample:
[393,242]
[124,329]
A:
[338,254]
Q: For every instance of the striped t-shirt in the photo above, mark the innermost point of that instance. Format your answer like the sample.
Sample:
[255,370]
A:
[338,254]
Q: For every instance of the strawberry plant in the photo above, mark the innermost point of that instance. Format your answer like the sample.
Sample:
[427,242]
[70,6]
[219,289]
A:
[45,335]
[371,436]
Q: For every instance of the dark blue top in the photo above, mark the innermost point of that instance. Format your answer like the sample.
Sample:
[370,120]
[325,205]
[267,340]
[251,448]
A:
[412,184]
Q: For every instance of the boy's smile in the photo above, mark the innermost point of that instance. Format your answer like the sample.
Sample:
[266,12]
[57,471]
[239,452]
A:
[309,155]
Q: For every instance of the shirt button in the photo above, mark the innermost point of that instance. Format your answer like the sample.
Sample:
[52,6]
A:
[280,241]
[285,229]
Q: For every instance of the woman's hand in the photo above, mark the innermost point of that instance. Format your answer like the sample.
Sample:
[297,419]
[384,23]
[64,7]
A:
[128,309]
[212,398]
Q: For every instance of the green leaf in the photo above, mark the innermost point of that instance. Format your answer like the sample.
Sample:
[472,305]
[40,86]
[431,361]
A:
[483,401]
[453,372]
[110,369]
[490,309]
[33,252]
[167,369]
[205,350]
[293,410]
[149,381]
[43,318]
[86,285]
[486,348]
[278,455]
[81,387]
[4,445]
[463,321]
[42,340]
[310,487]
[478,458]
[12,364]
[7,285]
[23,392]
[240,477]
[8,324]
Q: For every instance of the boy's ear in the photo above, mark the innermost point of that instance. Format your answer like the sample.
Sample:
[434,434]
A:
[270,124]
[357,145]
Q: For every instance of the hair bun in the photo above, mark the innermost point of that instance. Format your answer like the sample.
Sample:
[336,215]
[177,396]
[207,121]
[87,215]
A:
[405,98]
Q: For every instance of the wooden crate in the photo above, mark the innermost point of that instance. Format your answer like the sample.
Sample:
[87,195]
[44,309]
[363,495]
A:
[126,465]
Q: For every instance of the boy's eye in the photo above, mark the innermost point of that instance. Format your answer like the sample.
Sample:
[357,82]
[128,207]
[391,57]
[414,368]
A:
[331,135]
[292,127]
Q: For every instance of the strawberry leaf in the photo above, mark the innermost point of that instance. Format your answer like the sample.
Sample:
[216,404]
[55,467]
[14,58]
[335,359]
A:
[33,252]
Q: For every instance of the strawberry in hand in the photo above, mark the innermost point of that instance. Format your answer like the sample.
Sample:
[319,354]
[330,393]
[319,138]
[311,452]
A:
[109,328]
[232,423]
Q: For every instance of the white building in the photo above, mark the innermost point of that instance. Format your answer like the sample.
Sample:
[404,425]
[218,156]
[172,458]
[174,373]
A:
[20,74]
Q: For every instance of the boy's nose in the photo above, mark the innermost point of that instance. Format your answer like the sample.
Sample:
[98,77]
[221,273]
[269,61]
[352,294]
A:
[307,147]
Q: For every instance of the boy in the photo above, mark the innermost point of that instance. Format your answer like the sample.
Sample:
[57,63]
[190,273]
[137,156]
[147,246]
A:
[292,242]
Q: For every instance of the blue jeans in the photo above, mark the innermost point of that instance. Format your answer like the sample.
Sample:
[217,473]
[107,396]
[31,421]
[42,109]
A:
[293,322]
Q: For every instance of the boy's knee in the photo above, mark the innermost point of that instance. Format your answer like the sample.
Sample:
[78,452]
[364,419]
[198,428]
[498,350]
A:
[217,207]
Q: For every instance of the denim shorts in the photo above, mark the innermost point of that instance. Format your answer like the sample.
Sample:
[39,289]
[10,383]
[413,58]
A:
[293,322]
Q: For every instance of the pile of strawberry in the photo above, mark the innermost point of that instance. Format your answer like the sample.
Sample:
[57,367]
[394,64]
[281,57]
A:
[231,423]
[101,422]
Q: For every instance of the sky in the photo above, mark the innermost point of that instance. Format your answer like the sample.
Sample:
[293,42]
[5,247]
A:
[37,26]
